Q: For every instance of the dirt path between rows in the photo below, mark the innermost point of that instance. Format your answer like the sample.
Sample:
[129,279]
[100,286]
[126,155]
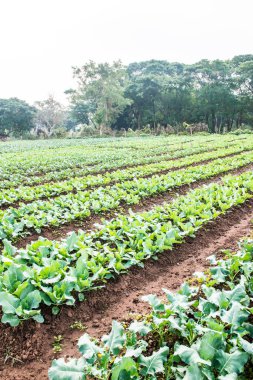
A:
[32,343]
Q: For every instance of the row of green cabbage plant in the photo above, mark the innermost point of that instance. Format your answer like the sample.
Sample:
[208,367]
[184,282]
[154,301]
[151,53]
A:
[28,170]
[53,272]
[202,332]
[47,190]
[20,221]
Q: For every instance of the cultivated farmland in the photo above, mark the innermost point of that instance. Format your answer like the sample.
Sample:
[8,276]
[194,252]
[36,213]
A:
[87,227]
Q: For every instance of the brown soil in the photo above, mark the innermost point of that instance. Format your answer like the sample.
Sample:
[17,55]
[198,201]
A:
[29,347]
[59,232]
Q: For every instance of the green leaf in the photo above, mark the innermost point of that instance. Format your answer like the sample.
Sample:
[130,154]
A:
[9,248]
[81,267]
[193,373]
[8,302]
[189,355]
[213,325]
[31,301]
[185,290]
[135,352]
[211,342]
[237,294]
[52,280]
[208,373]
[81,297]
[12,277]
[231,376]
[228,363]
[23,290]
[55,310]
[38,318]
[88,348]
[72,370]
[115,340]
[219,274]
[154,301]
[247,347]
[154,364]
[235,316]
[124,369]
[140,327]
[13,320]
[71,241]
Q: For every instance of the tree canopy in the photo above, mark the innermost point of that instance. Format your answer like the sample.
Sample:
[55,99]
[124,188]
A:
[101,90]
[16,116]
[50,115]
[217,93]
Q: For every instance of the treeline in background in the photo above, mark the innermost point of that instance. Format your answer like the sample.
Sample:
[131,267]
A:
[141,98]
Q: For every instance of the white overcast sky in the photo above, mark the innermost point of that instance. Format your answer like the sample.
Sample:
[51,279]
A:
[42,39]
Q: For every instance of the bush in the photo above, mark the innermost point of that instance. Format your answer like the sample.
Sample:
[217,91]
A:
[241,131]
[202,134]
[60,132]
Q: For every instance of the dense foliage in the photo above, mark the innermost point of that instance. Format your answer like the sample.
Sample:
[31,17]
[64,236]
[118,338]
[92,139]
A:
[16,117]
[151,97]
[159,93]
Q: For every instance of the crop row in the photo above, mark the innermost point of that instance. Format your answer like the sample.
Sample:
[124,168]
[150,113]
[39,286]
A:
[31,170]
[104,163]
[202,332]
[131,161]
[50,273]
[43,161]
[16,222]
[23,146]
[14,180]
[47,190]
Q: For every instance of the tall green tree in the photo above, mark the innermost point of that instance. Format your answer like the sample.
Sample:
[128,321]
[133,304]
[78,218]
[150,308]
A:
[217,93]
[16,116]
[101,92]
[160,92]
[50,116]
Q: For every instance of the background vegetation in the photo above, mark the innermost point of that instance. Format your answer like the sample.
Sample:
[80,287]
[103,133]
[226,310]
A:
[143,97]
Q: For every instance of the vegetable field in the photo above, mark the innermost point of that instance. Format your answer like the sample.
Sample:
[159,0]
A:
[91,230]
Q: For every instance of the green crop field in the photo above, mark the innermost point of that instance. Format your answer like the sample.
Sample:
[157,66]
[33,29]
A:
[77,216]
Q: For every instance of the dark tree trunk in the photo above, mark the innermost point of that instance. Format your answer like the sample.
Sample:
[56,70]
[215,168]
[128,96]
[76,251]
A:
[154,117]
[212,122]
